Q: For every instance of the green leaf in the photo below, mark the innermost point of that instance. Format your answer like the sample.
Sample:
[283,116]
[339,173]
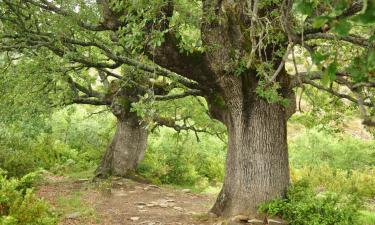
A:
[320,21]
[372,38]
[318,58]
[329,75]
[371,59]
[368,16]
[342,27]
[304,7]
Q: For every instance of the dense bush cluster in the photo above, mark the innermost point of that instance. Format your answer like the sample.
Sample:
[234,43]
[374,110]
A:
[180,159]
[303,206]
[68,141]
[19,205]
[315,148]
[351,182]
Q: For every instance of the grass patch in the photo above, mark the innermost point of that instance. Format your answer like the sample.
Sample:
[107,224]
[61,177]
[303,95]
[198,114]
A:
[367,218]
[73,204]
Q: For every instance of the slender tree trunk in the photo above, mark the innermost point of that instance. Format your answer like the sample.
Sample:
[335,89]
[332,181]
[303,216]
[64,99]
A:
[257,166]
[126,149]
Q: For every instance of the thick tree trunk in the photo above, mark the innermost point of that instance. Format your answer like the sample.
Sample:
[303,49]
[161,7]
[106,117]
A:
[257,167]
[126,149]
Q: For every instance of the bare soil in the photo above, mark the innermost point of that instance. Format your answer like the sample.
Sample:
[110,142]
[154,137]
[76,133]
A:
[122,201]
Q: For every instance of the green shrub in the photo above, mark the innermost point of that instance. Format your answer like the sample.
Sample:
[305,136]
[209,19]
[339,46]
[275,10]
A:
[19,205]
[179,159]
[302,206]
[316,147]
[349,182]
[70,142]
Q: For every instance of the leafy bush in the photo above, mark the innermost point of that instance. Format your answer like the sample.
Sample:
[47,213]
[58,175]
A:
[302,206]
[340,152]
[180,159]
[71,141]
[19,205]
[350,182]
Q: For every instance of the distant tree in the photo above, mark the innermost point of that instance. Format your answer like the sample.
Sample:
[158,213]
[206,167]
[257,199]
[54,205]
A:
[231,52]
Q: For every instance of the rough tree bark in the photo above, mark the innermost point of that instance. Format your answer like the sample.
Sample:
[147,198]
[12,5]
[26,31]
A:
[257,159]
[126,149]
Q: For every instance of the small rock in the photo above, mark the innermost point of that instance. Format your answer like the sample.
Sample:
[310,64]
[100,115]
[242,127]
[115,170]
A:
[177,208]
[119,194]
[151,204]
[140,203]
[276,222]
[186,190]
[240,218]
[256,222]
[153,186]
[140,206]
[163,205]
[83,180]
[135,218]
[74,215]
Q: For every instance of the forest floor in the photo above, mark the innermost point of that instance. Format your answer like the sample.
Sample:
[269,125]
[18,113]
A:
[124,202]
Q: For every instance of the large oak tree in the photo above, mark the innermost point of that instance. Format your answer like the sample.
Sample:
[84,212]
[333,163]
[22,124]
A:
[231,52]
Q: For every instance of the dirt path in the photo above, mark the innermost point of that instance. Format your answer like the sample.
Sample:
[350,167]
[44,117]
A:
[126,202]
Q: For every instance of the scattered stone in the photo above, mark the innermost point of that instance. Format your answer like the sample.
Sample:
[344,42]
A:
[153,186]
[240,218]
[83,180]
[119,194]
[134,218]
[119,183]
[277,222]
[73,216]
[178,208]
[140,206]
[256,222]
[163,205]
[186,190]
[150,205]
[140,203]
